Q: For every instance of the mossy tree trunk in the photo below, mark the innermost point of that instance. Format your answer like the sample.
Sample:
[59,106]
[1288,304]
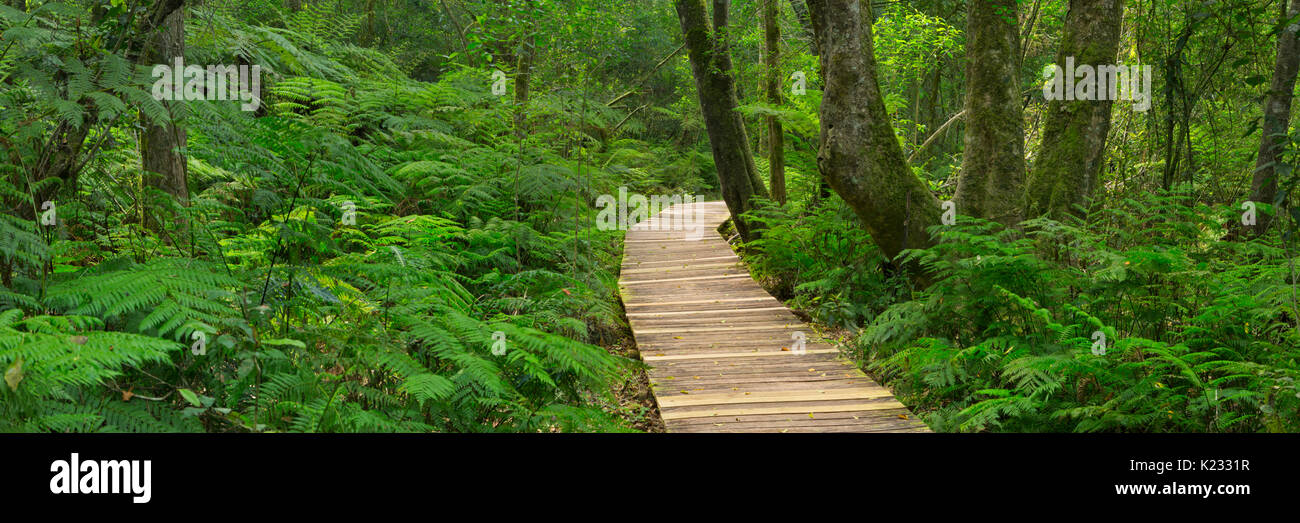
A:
[722,37]
[711,65]
[524,77]
[860,154]
[800,8]
[1277,113]
[772,61]
[1066,170]
[993,164]
[160,145]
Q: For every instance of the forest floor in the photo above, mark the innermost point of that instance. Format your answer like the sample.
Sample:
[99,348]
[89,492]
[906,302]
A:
[636,404]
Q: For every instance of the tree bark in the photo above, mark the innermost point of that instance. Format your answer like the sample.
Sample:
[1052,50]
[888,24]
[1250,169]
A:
[159,144]
[523,82]
[62,153]
[711,65]
[993,164]
[1069,159]
[460,33]
[800,8]
[776,135]
[722,34]
[1277,113]
[860,154]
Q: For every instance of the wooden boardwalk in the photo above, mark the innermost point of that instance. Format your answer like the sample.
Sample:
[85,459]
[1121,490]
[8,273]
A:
[724,354]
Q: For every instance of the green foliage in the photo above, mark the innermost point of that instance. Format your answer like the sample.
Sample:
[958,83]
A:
[367,253]
[1199,333]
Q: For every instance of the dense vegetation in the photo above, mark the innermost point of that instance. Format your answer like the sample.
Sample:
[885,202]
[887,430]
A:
[402,235]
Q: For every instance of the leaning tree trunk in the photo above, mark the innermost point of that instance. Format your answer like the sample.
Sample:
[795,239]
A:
[860,154]
[1277,114]
[772,61]
[712,69]
[722,36]
[993,164]
[1068,164]
[800,8]
[523,82]
[160,143]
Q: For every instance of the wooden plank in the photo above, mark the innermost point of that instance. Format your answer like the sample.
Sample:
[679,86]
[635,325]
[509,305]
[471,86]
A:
[736,398]
[685,267]
[710,312]
[728,355]
[781,326]
[701,302]
[693,278]
[786,409]
[642,263]
[874,417]
[719,347]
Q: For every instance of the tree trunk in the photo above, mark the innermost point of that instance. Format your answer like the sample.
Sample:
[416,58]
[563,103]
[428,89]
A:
[460,33]
[800,8]
[523,82]
[1069,159]
[860,154]
[1277,114]
[993,164]
[776,135]
[722,34]
[62,159]
[159,144]
[711,66]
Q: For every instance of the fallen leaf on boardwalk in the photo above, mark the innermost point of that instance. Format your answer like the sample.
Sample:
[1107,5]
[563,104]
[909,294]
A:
[785,349]
[684,392]
[902,416]
[677,337]
[810,415]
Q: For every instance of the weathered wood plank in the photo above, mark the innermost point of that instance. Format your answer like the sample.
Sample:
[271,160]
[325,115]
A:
[721,351]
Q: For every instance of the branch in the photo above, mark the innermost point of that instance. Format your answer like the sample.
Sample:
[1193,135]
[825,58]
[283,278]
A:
[643,79]
[937,133]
